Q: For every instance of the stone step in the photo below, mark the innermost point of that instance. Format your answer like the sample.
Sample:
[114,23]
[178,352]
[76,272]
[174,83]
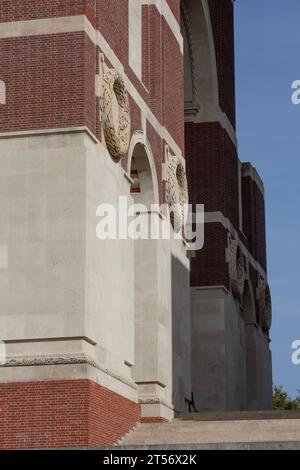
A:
[212,432]
[216,425]
[247,426]
[283,445]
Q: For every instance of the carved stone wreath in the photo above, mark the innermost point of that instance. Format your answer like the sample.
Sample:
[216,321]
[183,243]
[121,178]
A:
[177,193]
[237,273]
[115,114]
[264,305]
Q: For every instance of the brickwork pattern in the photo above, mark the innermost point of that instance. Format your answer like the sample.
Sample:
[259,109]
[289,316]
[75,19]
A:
[50,82]
[212,169]
[51,78]
[254,220]
[175,8]
[16,10]
[223,30]
[70,413]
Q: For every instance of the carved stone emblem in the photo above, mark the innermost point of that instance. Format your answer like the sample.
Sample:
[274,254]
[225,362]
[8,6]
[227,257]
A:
[237,272]
[177,192]
[264,304]
[115,114]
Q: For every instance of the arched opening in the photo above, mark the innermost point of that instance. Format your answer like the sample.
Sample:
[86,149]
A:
[200,69]
[143,191]
[152,369]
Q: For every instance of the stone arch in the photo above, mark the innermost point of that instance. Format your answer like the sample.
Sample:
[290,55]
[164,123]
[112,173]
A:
[201,76]
[147,267]
[140,142]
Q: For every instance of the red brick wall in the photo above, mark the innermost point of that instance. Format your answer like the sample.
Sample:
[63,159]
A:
[222,18]
[16,10]
[175,7]
[50,82]
[162,66]
[260,228]
[57,63]
[254,220]
[157,146]
[212,169]
[173,86]
[51,78]
[209,267]
[112,21]
[156,66]
[213,176]
[212,160]
[146,56]
[69,413]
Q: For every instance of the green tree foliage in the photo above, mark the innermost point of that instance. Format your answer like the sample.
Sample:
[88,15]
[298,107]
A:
[281,400]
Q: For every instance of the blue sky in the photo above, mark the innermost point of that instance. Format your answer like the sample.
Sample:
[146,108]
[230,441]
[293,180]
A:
[267,62]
